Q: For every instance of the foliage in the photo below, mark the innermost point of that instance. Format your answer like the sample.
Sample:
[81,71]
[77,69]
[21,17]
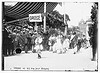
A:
[55,19]
[93,27]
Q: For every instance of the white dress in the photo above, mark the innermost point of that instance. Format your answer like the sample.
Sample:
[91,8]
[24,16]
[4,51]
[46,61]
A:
[58,46]
[38,46]
[66,44]
[51,39]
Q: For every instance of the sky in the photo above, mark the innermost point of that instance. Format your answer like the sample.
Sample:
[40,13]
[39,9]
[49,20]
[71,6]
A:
[76,11]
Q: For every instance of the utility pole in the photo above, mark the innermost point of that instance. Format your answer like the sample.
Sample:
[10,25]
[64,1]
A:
[44,17]
[65,21]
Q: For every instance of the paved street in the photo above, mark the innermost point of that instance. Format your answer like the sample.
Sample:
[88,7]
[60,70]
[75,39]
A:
[51,61]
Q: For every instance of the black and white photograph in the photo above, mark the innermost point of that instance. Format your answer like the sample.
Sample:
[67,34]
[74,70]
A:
[49,36]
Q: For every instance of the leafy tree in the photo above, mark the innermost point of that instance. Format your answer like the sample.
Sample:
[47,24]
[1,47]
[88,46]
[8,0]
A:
[55,19]
[93,28]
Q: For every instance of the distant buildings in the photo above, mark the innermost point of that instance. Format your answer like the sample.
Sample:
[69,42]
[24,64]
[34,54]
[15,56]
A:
[84,27]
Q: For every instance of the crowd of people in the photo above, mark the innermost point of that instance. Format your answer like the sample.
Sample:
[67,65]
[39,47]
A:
[61,44]
[15,41]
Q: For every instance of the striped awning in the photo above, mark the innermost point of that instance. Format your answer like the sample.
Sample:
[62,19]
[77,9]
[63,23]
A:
[23,9]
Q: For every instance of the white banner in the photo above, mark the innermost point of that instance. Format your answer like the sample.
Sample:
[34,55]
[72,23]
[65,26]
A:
[35,18]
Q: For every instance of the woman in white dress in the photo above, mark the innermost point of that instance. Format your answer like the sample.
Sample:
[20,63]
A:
[38,45]
[51,42]
[58,45]
[66,44]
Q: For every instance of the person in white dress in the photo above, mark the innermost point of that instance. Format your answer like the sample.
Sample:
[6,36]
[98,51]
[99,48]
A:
[58,45]
[51,42]
[66,45]
[38,45]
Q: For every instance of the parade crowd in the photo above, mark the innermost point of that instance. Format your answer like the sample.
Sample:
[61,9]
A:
[26,39]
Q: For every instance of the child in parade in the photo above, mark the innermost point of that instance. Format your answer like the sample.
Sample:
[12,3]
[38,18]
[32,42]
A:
[38,45]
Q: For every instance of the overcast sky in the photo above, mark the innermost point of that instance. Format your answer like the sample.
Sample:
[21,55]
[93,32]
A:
[76,11]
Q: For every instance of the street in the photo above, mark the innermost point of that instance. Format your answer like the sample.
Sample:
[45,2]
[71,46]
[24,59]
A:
[51,61]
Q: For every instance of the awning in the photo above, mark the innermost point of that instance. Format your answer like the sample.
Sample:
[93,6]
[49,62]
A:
[23,9]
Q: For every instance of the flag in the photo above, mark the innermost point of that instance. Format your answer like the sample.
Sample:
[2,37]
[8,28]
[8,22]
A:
[60,3]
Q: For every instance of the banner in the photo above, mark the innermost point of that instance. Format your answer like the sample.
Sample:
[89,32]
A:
[35,18]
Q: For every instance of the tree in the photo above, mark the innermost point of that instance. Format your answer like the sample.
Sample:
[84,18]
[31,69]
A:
[55,19]
[93,29]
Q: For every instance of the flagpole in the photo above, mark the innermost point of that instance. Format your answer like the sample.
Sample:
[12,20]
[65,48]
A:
[63,5]
[44,17]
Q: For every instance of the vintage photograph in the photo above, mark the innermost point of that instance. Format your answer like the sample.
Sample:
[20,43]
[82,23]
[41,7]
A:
[49,36]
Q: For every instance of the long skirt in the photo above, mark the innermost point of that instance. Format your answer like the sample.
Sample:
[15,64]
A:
[54,47]
[66,45]
[57,47]
[38,48]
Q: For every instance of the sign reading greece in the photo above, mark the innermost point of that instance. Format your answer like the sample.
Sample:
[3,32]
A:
[35,18]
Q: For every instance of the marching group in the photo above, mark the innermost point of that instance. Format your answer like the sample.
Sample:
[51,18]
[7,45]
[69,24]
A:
[61,44]
[14,43]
